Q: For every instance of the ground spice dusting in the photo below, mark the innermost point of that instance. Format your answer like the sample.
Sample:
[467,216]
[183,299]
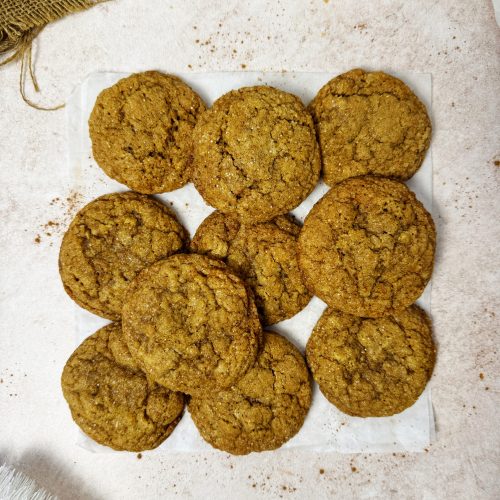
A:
[67,210]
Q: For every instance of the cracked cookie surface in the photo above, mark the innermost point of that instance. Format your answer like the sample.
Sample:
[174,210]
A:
[264,409]
[367,247]
[141,130]
[372,367]
[112,400]
[369,123]
[256,154]
[108,242]
[192,324]
[264,255]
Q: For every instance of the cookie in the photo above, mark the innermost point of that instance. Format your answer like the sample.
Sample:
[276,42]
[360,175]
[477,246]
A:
[370,123]
[367,247]
[112,400]
[264,255]
[256,154]
[371,367]
[264,409]
[108,242]
[192,324]
[141,130]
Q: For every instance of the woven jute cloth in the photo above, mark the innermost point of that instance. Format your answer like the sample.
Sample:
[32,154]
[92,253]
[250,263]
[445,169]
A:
[21,21]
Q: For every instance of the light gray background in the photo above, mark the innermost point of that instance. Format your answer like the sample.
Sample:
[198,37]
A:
[457,41]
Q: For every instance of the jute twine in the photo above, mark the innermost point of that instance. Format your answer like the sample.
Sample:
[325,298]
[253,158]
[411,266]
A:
[20,23]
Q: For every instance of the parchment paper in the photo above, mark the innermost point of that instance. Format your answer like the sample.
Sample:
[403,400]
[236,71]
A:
[325,428]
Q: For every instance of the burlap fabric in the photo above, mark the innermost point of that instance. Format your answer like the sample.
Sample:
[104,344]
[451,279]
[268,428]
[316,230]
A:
[21,21]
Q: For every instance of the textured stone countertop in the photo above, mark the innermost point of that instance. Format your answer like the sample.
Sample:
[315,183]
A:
[457,41]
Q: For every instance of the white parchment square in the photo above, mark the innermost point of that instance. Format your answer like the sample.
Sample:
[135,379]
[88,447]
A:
[325,428]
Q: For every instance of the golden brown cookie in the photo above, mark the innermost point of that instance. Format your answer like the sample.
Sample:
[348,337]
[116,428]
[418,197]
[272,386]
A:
[372,367]
[264,255]
[367,247]
[192,324]
[370,123]
[108,242]
[112,400]
[256,154]
[264,409]
[141,130]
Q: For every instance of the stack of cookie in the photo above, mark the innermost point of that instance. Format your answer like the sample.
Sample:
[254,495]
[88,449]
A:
[189,317]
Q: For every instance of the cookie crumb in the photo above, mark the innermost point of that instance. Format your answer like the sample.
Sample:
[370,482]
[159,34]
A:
[243,66]
[322,471]
[139,456]
[37,239]
[481,376]
[497,163]
[354,468]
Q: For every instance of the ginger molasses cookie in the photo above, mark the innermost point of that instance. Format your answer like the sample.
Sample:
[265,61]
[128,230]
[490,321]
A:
[367,247]
[192,324]
[372,367]
[108,242]
[264,255]
[256,154]
[264,409]
[112,400]
[141,131]
[370,123]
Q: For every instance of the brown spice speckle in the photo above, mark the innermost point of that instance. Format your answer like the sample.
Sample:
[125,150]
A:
[322,471]
[139,456]
[481,376]
[353,468]
[497,163]
[70,205]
